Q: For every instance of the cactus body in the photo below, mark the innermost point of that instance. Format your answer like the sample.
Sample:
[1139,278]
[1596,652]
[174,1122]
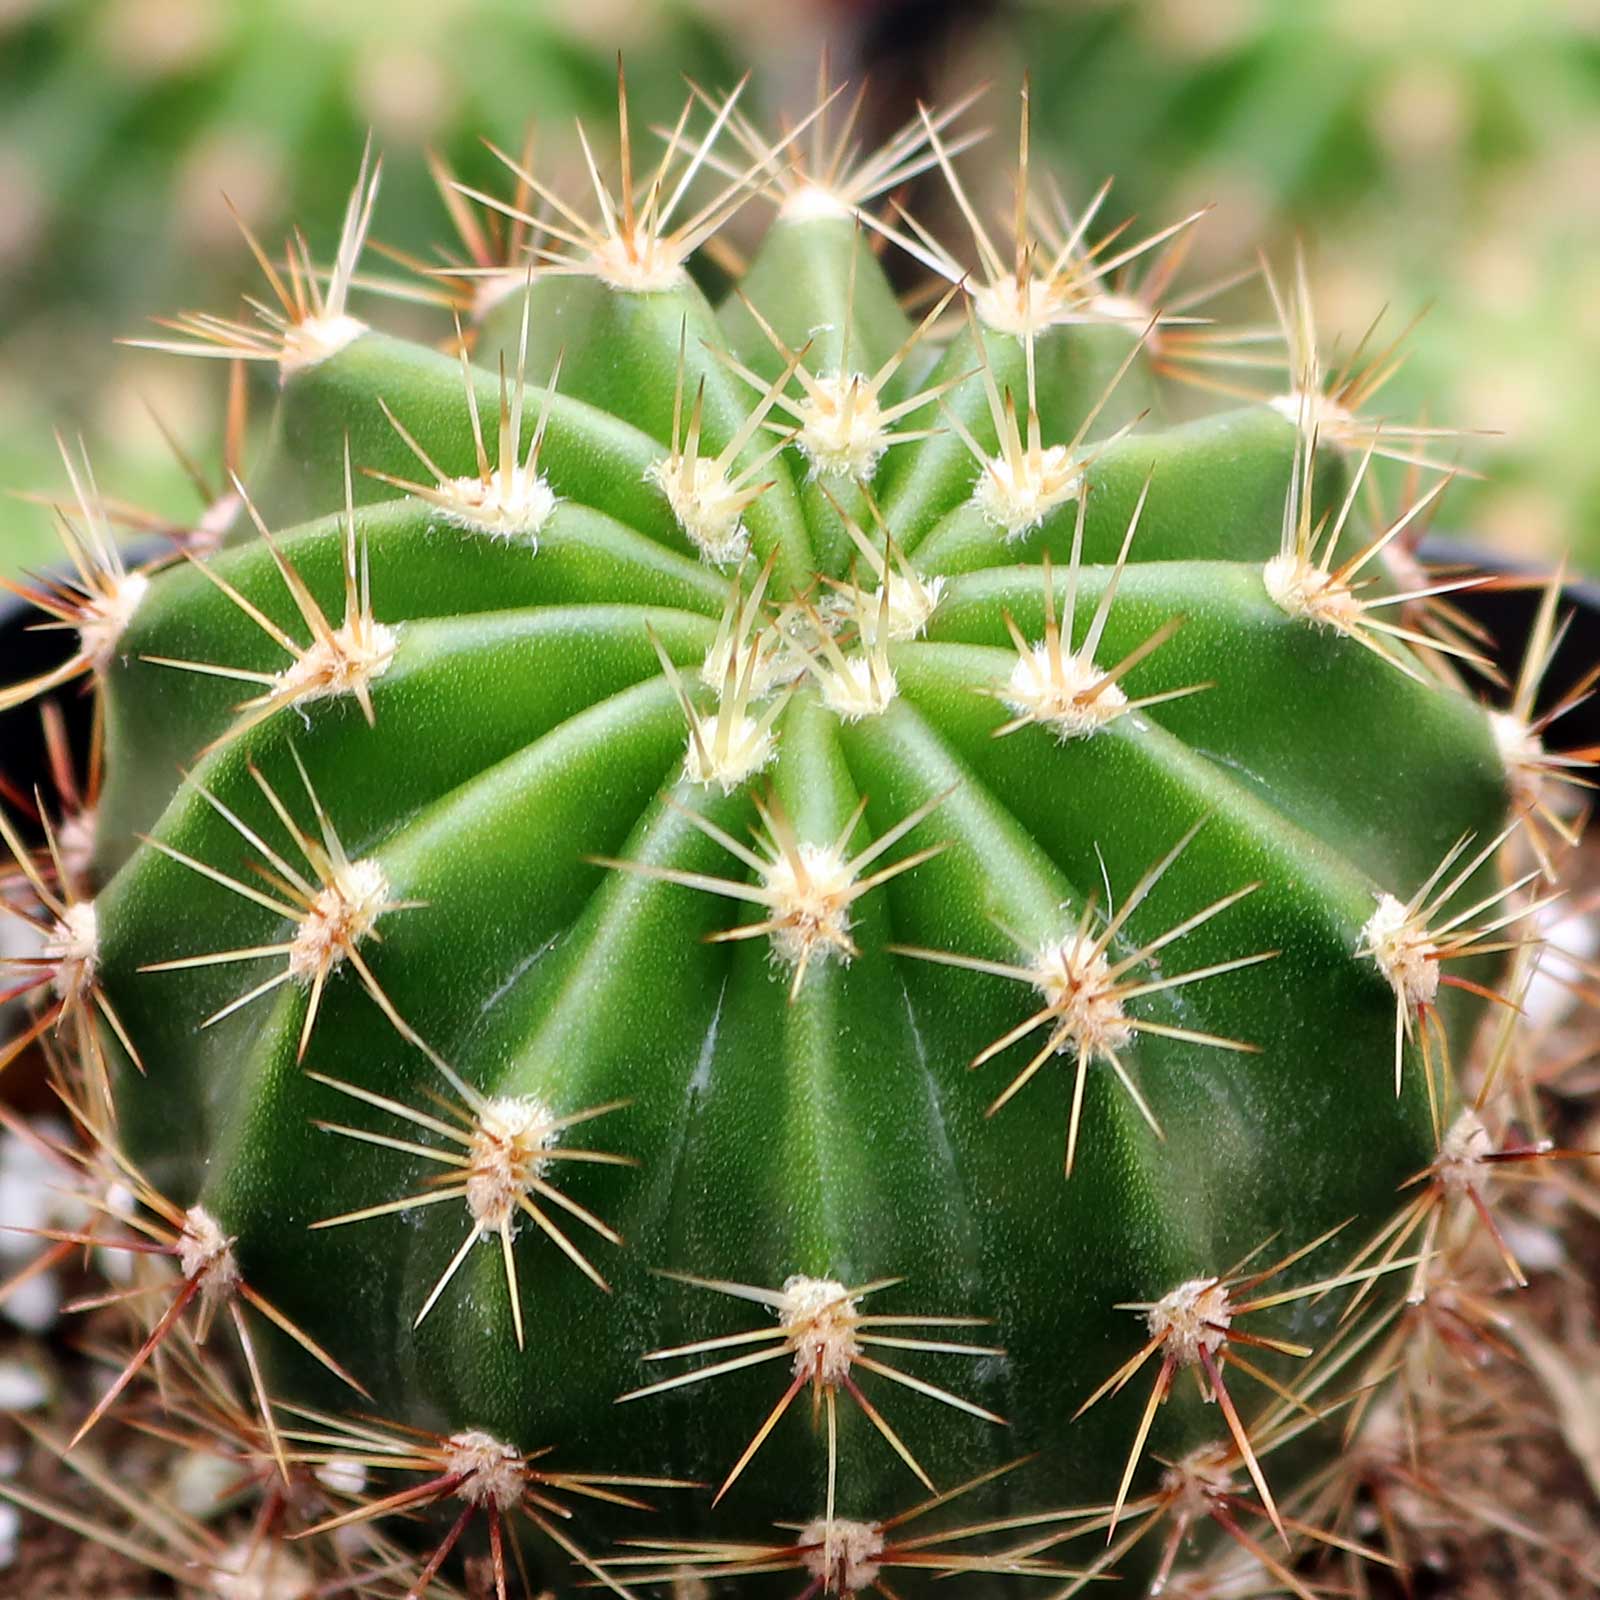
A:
[511,1050]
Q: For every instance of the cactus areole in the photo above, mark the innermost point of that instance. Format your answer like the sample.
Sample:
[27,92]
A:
[736,905]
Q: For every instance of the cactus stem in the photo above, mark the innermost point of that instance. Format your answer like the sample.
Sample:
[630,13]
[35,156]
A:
[333,912]
[308,324]
[1400,938]
[1063,688]
[708,499]
[1085,994]
[822,1328]
[488,1476]
[806,889]
[546,771]
[507,499]
[504,1148]
[842,428]
[342,660]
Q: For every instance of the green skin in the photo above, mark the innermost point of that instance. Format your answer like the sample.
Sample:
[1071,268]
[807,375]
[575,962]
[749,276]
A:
[525,727]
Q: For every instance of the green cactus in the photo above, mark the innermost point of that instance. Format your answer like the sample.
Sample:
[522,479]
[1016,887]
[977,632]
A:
[1124,866]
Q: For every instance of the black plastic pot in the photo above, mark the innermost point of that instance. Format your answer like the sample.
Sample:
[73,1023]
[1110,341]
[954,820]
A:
[1508,614]
[26,651]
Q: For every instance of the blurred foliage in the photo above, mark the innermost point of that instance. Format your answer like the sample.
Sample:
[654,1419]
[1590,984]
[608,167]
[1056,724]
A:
[1441,153]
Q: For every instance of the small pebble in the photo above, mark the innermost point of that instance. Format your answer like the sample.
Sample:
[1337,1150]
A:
[22,1386]
[200,1482]
[343,1477]
[35,1305]
[1548,1000]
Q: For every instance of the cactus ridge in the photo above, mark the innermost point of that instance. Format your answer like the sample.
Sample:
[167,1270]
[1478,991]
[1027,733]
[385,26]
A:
[951,826]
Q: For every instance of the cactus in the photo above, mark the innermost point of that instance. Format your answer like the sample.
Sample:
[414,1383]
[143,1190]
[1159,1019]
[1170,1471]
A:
[782,857]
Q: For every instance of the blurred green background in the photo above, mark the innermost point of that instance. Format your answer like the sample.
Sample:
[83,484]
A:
[1425,152]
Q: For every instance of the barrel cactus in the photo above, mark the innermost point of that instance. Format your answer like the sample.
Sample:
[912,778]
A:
[719,919]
